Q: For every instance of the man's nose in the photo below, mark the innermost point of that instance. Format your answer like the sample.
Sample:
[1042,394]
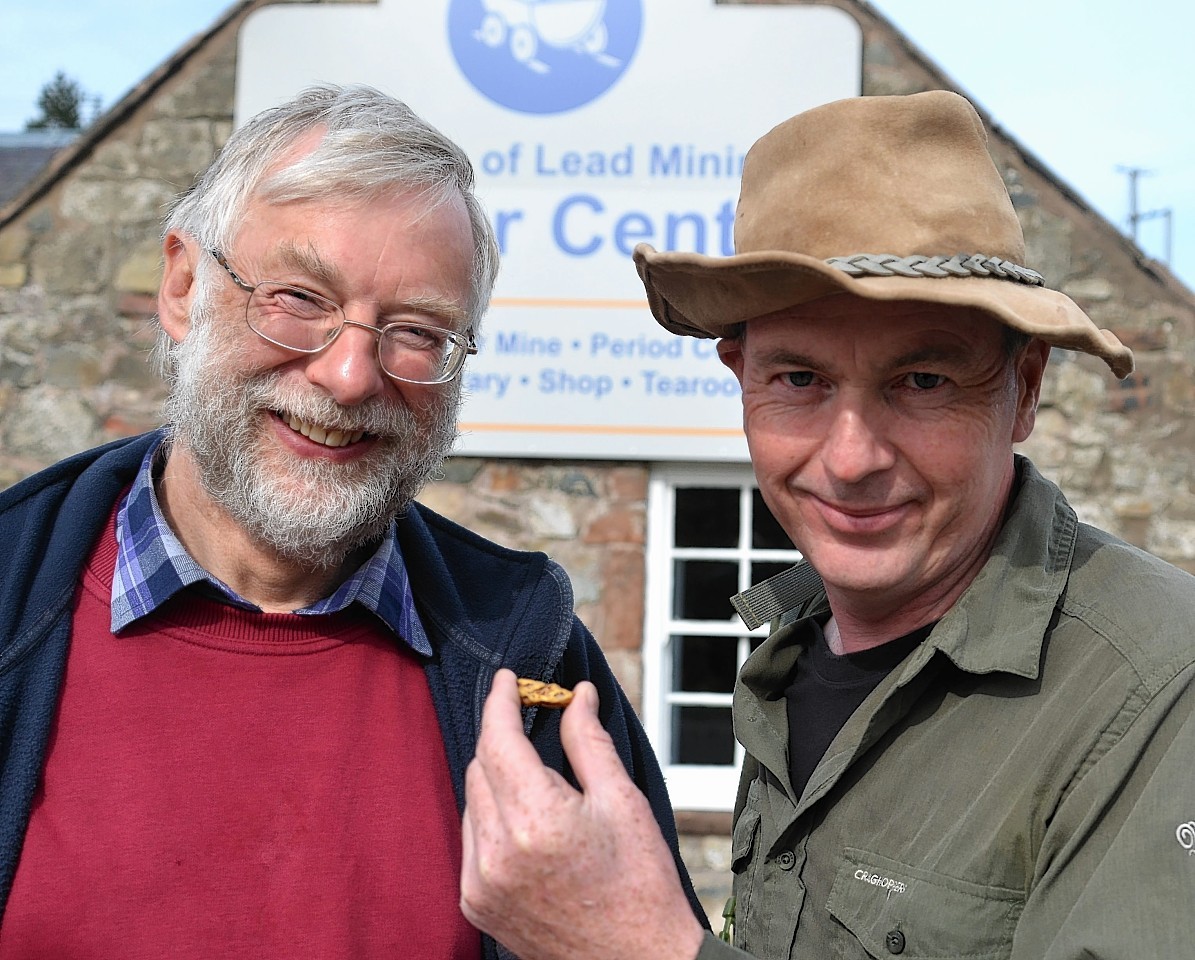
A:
[349,369]
[855,445]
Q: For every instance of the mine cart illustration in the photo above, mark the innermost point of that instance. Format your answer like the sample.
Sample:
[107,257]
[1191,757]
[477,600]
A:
[565,24]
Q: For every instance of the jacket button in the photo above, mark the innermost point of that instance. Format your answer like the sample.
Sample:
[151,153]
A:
[786,860]
[895,941]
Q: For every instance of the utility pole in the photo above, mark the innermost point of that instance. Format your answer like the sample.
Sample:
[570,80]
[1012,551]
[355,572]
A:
[1133,173]
[1136,216]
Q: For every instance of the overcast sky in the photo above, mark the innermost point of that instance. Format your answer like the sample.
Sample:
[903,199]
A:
[1089,88]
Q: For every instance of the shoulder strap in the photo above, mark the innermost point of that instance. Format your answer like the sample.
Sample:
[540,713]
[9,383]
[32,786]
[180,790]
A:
[770,598]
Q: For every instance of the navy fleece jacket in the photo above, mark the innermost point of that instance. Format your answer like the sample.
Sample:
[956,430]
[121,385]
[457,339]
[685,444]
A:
[484,607]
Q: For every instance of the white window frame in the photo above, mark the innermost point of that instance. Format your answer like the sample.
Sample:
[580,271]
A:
[698,787]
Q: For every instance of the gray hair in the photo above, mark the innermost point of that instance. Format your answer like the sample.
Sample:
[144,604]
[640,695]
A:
[373,144]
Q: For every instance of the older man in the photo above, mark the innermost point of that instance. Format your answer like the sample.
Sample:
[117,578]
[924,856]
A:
[970,732]
[242,671]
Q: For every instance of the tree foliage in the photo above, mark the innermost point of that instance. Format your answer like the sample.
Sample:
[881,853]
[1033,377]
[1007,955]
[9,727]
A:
[62,102]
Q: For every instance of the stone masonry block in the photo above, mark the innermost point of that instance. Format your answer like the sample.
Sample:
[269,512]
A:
[13,274]
[627,483]
[618,524]
[143,305]
[141,270]
[50,424]
[622,599]
[99,202]
[175,150]
[14,242]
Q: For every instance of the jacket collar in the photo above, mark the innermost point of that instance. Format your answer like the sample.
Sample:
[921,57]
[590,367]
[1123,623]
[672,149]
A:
[1012,600]
[495,603]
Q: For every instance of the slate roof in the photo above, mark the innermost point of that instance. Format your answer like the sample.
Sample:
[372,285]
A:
[23,155]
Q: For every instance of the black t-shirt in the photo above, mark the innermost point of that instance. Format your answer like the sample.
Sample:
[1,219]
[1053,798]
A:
[828,688]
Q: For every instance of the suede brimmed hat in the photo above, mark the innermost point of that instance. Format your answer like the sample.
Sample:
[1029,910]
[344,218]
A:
[907,175]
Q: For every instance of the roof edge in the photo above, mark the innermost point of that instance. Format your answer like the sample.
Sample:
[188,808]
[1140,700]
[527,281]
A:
[1157,270]
[82,147]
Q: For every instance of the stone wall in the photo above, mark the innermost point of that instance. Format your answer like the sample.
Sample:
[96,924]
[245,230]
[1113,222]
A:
[79,268]
[79,262]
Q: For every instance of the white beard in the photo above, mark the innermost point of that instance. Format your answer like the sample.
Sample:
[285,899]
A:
[310,511]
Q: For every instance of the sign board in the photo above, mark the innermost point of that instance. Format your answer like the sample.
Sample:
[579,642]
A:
[594,125]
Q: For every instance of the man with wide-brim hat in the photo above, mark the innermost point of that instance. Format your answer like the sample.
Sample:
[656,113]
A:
[884,198]
[970,731]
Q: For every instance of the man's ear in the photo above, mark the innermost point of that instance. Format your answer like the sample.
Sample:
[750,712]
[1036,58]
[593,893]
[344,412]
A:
[1031,367]
[730,352]
[177,289]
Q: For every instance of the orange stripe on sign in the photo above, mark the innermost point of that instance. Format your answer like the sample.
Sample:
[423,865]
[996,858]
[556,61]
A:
[600,429]
[547,302]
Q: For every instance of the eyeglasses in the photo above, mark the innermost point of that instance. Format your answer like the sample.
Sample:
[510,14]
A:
[305,322]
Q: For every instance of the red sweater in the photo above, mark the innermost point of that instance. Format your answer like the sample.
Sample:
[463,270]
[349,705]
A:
[221,783]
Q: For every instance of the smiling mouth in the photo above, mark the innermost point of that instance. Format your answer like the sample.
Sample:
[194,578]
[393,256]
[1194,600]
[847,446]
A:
[859,513]
[860,519]
[321,435]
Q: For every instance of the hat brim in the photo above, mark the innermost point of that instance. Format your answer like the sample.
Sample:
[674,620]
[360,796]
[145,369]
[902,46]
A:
[696,295]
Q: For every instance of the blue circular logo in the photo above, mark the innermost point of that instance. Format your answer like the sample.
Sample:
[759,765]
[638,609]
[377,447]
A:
[544,56]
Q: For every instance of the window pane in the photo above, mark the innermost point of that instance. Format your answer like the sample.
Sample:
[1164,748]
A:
[702,589]
[706,517]
[704,664]
[702,735]
[762,569]
[766,533]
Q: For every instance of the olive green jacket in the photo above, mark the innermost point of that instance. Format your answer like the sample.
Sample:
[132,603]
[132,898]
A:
[1022,786]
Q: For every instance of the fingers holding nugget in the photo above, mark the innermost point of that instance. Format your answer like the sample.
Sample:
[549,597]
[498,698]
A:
[536,693]
[544,861]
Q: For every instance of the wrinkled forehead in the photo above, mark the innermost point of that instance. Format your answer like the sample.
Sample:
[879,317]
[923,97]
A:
[879,315]
[881,326]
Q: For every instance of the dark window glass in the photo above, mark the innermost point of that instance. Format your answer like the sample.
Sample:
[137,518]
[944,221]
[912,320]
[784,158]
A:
[762,569]
[702,735]
[706,517]
[704,664]
[766,533]
[702,589]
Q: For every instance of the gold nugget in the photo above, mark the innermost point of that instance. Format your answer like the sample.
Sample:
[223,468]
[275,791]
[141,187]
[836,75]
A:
[536,693]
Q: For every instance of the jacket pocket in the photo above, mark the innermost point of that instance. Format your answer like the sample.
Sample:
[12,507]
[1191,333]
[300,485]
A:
[743,856]
[897,910]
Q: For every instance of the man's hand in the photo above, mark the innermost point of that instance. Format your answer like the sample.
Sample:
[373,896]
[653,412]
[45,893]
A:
[559,874]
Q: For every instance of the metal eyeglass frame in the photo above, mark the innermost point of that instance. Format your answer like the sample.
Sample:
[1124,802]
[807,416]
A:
[467,344]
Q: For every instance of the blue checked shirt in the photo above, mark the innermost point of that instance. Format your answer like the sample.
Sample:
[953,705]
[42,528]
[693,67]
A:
[152,566]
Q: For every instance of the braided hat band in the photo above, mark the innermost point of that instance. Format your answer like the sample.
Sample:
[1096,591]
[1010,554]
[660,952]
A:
[904,174]
[960,265]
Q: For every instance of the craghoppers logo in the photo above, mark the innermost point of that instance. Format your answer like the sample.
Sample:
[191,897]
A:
[884,883]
